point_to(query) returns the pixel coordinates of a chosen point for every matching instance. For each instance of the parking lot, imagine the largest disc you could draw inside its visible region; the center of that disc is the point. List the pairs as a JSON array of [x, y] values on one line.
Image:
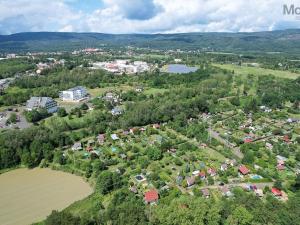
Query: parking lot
[[20, 124]]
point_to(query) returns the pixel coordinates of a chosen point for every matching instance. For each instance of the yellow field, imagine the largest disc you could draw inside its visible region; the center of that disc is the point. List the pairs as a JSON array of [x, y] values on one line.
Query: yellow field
[[244, 70], [28, 196]]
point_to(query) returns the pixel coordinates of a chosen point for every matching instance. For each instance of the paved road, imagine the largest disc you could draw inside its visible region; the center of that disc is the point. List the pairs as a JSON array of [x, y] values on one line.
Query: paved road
[[231, 185], [258, 185], [235, 150], [21, 124]]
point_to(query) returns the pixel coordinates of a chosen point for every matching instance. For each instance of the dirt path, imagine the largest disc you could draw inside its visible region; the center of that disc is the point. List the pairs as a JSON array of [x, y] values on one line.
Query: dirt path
[[258, 185], [28, 196]]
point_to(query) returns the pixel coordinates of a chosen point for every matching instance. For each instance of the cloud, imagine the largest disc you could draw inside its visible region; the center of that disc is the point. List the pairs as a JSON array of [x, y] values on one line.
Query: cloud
[[34, 15], [144, 16], [14, 24], [192, 16]]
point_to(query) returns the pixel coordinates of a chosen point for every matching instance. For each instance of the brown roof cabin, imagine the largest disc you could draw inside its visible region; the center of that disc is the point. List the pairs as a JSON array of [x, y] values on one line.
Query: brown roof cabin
[[133, 130], [205, 193], [190, 181]]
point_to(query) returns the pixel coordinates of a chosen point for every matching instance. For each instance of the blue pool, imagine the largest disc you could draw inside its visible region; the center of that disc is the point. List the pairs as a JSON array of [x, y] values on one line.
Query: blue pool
[[179, 68], [256, 177]]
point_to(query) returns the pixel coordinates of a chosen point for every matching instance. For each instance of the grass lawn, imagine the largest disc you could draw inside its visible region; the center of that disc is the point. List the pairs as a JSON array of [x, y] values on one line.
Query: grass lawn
[[244, 70], [154, 91], [152, 56], [96, 92], [68, 105], [54, 121], [296, 116], [86, 205], [214, 155], [211, 153]]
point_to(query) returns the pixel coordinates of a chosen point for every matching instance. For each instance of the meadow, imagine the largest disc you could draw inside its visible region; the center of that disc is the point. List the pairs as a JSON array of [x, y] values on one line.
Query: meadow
[[245, 70]]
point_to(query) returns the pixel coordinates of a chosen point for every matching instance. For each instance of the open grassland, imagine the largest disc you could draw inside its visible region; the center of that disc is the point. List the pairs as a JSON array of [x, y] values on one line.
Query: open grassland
[[244, 70], [29, 196], [96, 92], [154, 91]]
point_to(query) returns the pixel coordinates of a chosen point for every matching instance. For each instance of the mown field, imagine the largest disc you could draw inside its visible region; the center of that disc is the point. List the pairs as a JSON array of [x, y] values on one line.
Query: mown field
[[244, 70], [29, 196]]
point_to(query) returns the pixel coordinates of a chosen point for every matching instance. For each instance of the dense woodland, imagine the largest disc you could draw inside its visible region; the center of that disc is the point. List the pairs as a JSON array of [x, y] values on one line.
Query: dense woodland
[[286, 41], [175, 208], [9, 68]]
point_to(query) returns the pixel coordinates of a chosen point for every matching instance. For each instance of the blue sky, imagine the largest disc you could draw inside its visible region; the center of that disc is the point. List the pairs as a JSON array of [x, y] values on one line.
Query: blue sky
[[87, 6], [145, 16]]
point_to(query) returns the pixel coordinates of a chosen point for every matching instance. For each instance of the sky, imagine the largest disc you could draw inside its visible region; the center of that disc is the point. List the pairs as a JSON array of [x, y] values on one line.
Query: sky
[[145, 16]]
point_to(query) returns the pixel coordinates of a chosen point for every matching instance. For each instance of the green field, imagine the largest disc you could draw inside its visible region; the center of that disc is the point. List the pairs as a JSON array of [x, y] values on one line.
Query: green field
[[244, 70], [155, 91], [96, 92]]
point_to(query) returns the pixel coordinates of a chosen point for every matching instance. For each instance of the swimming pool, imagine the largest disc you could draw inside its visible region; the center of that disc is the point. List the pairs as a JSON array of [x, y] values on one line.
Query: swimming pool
[[256, 177]]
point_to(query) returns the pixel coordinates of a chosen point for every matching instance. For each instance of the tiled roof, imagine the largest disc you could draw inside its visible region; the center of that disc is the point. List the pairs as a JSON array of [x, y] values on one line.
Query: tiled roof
[[151, 196]]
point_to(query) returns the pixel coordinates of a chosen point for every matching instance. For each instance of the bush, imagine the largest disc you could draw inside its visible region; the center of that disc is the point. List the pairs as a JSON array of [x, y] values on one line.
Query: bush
[[36, 115], [178, 162], [84, 106], [62, 218], [108, 181], [154, 153], [277, 132], [12, 118], [61, 112]]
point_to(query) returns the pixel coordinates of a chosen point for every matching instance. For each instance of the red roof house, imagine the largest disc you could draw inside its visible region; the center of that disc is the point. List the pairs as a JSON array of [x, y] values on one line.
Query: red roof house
[[151, 196], [244, 170], [248, 140], [276, 192], [286, 138], [280, 167], [202, 175], [212, 172]]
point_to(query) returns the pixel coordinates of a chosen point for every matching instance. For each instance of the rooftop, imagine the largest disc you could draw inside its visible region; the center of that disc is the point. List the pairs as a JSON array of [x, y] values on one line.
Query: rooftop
[[151, 196]]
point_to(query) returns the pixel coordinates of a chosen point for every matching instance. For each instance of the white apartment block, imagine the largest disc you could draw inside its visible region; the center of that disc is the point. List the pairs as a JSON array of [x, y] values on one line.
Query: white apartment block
[[74, 94]]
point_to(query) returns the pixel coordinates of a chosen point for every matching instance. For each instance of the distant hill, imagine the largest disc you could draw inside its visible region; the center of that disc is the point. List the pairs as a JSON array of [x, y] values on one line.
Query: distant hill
[[287, 41]]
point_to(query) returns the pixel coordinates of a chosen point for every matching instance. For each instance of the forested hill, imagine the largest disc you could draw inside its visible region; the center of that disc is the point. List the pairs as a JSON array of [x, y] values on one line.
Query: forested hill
[[287, 41]]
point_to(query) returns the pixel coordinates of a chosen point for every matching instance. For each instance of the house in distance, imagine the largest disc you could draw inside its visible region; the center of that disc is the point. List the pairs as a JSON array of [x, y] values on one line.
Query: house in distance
[[75, 94]]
